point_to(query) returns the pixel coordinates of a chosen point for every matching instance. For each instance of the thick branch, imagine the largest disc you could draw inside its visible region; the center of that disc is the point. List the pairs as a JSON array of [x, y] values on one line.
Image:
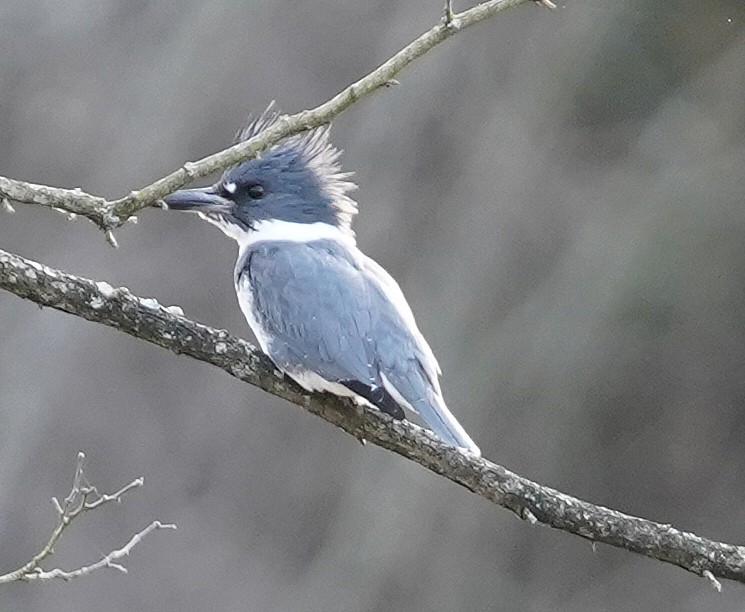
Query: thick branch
[[109, 215], [146, 319]]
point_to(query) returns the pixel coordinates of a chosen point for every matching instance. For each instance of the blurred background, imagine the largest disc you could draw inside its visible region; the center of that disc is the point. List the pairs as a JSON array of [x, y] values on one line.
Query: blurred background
[[561, 196]]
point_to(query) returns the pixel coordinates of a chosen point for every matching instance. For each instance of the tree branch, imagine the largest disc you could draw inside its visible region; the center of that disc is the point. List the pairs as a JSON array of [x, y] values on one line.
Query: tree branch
[[82, 498], [165, 327], [110, 215]]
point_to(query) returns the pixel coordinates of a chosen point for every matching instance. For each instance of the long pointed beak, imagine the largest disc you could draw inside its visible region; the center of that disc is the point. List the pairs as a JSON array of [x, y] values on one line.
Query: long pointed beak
[[203, 199]]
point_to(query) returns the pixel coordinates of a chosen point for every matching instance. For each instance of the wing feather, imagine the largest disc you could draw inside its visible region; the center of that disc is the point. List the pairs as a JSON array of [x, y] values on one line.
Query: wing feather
[[321, 307]]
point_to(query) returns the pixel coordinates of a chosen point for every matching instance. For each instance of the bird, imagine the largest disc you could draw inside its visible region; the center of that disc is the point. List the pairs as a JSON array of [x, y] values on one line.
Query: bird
[[327, 315]]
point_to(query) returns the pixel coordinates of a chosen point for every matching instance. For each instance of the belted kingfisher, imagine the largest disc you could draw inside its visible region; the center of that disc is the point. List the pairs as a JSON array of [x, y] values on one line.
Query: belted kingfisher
[[327, 315]]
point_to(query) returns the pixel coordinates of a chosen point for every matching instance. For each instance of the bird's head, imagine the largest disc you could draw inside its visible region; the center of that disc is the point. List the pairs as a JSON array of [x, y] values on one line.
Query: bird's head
[[298, 180]]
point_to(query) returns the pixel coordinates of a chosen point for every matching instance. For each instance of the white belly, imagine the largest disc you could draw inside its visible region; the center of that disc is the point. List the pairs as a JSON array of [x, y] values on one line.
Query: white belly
[[310, 381]]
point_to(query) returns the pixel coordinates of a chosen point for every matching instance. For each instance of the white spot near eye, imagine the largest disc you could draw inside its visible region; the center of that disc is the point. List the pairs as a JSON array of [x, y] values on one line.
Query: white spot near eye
[[230, 187]]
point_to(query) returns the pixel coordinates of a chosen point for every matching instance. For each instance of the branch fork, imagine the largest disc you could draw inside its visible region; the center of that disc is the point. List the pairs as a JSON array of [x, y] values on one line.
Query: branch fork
[[83, 497], [111, 215]]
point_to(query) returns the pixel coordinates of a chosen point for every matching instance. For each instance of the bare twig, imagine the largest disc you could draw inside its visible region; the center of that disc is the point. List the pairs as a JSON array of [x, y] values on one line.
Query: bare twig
[[448, 13], [82, 498], [537, 504], [74, 201], [109, 215]]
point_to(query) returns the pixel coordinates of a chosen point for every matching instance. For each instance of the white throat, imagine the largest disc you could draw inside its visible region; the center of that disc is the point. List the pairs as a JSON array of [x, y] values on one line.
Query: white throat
[[287, 231]]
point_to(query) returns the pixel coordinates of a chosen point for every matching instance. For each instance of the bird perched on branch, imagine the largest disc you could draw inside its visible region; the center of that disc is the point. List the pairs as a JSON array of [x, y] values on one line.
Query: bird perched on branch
[[326, 314]]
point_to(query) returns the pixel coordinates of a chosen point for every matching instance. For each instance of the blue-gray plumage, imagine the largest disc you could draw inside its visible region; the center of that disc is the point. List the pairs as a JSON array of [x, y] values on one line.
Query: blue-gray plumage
[[327, 315]]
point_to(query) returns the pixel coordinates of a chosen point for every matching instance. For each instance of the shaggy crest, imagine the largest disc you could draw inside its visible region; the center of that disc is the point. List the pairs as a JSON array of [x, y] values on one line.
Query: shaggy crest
[[320, 156]]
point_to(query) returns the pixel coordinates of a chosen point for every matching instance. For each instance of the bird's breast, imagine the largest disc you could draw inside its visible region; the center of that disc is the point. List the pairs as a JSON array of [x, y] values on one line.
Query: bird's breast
[[245, 295]]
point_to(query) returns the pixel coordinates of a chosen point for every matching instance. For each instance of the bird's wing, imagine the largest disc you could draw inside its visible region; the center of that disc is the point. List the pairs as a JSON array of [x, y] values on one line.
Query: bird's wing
[[418, 388], [313, 309], [325, 309]]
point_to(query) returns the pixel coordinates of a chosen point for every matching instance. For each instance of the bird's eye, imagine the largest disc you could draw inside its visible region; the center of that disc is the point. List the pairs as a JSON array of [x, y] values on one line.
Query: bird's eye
[[255, 192]]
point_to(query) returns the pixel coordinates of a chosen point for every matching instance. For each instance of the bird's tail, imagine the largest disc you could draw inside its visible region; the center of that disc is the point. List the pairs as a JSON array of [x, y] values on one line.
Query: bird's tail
[[436, 414], [431, 407]]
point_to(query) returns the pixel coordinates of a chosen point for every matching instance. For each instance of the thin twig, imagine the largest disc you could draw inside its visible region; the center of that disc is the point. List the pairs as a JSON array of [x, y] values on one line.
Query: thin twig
[[537, 504], [82, 498], [110, 215], [74, 201], [106, 561]]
